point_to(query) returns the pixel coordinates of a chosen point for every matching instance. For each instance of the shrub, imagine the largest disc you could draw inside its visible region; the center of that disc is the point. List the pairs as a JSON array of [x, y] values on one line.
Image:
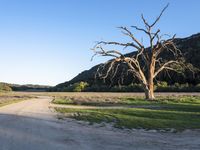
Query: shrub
[[76, 87], [162, 84], [5, 87], [79, 87]]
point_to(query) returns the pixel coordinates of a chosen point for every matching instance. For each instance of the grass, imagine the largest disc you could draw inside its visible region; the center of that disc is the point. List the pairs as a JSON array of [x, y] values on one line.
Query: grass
[[180, 101], [164, 113], [10, 102], [7, 98], [63, 101]]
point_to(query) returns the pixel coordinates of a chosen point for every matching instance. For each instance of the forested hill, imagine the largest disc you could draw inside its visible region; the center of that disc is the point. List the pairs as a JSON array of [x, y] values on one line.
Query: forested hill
[[190, 48]]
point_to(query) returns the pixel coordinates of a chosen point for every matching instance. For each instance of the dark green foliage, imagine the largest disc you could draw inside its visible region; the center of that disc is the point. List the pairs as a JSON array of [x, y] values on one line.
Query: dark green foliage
[[129, 88], [30, 87], [98, 88], [178, 88], [159, 87]]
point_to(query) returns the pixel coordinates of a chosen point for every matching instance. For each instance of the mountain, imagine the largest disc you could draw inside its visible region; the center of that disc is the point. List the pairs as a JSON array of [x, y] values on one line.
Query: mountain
[[190, 48]]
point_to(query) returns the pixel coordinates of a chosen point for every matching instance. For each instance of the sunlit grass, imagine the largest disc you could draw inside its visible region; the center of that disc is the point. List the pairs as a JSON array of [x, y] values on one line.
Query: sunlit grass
[[164, 113]]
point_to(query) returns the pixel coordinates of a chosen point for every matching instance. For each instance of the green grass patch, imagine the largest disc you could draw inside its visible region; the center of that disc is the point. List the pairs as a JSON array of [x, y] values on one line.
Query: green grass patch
[[137, 118], [164, 113], [181, 103], [162, 100]]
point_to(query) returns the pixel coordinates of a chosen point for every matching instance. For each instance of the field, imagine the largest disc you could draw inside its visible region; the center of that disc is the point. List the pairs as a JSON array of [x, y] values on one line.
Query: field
[[7, 98], [171, 111], [99, 120]]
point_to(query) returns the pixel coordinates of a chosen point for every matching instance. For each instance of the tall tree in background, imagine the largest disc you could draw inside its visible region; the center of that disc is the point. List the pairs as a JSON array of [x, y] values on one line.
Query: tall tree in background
[[147, 63]]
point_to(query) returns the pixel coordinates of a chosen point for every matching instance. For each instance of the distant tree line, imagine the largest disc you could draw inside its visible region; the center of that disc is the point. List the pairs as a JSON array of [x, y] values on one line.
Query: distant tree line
[[160, 86]]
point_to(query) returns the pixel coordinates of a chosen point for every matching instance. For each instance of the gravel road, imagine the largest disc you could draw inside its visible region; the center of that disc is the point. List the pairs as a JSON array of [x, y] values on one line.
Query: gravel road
[[31, 125]]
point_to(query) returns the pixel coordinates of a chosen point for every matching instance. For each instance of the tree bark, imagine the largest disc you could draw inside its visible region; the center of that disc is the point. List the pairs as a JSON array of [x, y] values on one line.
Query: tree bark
[[150, 91], [149, 94]]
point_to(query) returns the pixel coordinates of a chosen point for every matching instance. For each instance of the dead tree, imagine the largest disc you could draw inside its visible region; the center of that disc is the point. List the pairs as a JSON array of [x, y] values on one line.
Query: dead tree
[[146, 63]]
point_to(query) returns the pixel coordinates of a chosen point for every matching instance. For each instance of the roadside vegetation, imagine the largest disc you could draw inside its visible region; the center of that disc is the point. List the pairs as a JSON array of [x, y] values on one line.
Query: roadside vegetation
[[7, 98], [5, 87], [178, 112]]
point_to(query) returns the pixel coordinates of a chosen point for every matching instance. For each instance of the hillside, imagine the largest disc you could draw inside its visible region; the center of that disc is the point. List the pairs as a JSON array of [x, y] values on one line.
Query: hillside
[[27, 87], [190, 48]]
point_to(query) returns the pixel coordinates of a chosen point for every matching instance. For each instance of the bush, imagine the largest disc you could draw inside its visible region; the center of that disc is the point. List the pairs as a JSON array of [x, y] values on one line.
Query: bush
[[5, 87], [162, 84], [76, 87], [79, 87]]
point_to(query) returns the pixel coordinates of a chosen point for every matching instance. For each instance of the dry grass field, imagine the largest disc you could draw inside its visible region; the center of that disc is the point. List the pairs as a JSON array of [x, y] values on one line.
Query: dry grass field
[[13, 97]]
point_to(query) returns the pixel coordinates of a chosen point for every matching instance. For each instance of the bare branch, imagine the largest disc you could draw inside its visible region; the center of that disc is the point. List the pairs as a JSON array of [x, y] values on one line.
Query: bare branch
[[140, 29], [158, 18], [119, 44], [145, 22], [129, 33], [155, 34], [166, 66]]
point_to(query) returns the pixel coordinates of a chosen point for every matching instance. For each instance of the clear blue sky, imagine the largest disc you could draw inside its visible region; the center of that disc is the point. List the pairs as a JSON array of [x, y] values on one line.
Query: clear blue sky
[[49, 41]]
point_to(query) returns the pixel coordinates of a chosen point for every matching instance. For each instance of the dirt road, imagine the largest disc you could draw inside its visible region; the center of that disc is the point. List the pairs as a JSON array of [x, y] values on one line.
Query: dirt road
[[31, 125]]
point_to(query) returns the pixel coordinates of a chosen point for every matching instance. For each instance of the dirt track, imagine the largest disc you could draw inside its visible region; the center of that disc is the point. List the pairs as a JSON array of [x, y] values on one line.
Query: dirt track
[[31, 125]]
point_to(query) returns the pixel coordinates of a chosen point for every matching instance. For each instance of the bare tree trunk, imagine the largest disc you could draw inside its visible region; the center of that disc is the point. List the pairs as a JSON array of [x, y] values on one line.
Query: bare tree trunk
[[150, 91]]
